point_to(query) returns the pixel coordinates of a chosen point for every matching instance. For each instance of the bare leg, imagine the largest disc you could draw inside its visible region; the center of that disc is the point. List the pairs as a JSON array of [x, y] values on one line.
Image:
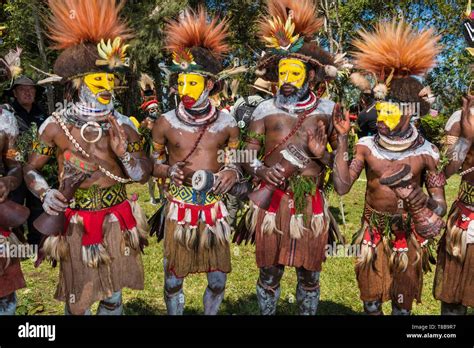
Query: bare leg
[[373, 307], [268, 288], [307, 291], [8, 305], [174, 297], [214, 293], [112, 305], [453, 309]]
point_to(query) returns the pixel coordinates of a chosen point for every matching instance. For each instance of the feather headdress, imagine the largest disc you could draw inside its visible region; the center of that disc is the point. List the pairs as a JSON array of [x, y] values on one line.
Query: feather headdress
[[11, 64], [289, 23], [146, 83], [394, 53], [395, 48], [147, 91], [196, 44], [287, 30], [91, 35]]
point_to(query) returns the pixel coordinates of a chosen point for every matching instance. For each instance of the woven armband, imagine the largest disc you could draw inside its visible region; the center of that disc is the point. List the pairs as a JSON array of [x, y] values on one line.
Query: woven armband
[[435, 179]]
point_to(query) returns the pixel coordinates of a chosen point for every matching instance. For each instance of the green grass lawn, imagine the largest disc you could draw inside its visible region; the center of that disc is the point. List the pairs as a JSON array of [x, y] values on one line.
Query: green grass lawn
[[339, 292]]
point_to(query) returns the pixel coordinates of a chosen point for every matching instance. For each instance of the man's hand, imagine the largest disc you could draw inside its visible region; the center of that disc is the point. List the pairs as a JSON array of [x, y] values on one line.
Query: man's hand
[[4, 189], [467, 122], [224, 181], [118, 138], [273, 176], [54, 202], [317, 140], [417, 199], [341, 122], [176, 174]]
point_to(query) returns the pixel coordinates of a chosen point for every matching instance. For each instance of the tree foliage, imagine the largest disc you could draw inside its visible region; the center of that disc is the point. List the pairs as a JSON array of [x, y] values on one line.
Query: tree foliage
[[343, 18]]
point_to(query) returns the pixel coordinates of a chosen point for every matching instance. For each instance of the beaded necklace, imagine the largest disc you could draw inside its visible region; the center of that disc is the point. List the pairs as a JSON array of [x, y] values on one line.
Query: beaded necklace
[[78, 147]]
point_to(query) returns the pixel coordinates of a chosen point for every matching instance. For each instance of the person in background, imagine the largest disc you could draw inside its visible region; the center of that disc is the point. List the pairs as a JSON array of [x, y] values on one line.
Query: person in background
[[367, 118], [27, 111], [24, 91], [11, 275], [151, 110], [242, 111]]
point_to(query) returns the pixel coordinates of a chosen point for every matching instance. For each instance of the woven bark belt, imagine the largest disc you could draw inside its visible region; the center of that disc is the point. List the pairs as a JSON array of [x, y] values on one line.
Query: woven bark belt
[[466, 193], [188, 195], [96, 198]]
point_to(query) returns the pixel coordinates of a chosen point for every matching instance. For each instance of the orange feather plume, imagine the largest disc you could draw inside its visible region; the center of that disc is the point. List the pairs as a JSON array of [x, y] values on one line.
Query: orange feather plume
[[81, 21], [396, 46], [193, 30], [303, 16]]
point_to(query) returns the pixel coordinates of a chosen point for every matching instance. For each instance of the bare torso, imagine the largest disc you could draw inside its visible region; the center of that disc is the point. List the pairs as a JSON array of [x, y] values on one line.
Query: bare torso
[[100, 153], [180, 143], [278, 126], [381, 197], [181, 139]]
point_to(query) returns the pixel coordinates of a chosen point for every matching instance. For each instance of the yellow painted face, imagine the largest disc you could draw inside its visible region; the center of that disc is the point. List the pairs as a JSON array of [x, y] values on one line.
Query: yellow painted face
[[99, 83], [292, 71], [191, 86], [388, 113]]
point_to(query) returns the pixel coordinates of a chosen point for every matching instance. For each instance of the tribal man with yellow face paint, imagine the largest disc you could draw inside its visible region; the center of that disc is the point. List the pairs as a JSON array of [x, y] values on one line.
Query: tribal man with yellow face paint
[[192, 89], [187, 144], [396, 229], [290, 225], [98, 151]]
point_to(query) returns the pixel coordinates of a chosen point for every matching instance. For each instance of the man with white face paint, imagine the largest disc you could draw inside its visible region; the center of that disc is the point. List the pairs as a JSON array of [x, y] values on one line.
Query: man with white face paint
[[186, 140], [291, 226], [99, 151]]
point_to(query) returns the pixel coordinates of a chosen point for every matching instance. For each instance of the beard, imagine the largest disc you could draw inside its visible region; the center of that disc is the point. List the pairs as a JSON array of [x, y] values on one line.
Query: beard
[[297, 95], [90, 99]]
